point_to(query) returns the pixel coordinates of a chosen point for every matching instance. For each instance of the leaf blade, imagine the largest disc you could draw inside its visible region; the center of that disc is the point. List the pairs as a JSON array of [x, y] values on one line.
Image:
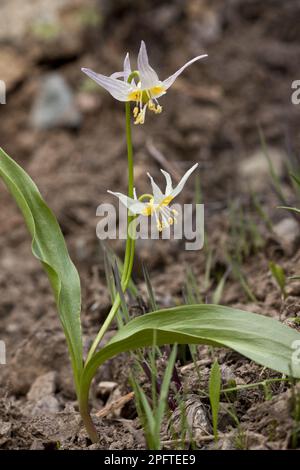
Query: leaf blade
[[214, 395], [48, 246], [260, 338]]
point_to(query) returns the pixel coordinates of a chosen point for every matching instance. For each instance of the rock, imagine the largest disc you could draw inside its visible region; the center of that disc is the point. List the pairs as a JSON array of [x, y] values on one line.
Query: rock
[[5, 432], [106, 388], [45, 405], [43, 386], [196, 416], [55, 105], [41, 395], [5, 428], [255, 172], [288, 233], [227, 374]]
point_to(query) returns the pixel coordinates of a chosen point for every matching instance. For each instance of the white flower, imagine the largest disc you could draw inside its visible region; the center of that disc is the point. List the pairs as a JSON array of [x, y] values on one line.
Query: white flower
[[157, 203], [146, 91]]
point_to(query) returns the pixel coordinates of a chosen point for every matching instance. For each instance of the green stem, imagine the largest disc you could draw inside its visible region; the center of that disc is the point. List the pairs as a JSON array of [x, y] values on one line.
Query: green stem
[[254, 385], [130, 243], [126, 274], [87, 420]]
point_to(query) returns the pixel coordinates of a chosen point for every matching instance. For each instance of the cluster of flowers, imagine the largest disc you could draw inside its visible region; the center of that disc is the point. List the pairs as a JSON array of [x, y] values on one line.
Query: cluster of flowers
[[144, 88]]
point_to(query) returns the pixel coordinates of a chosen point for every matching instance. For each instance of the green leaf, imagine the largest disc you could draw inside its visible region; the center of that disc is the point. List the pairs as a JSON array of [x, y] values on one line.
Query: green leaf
[[279, 276], [293, 209], [217, 294], [296, 179], [261, 339], [49, 247], [214, 395]]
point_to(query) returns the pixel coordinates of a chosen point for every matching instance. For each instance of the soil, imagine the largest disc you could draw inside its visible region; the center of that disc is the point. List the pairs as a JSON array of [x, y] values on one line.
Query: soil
[[210, 116]]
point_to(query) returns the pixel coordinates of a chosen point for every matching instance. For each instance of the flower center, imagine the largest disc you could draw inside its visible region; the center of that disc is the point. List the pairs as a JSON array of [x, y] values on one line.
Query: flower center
[[163, 214], [145, 99]]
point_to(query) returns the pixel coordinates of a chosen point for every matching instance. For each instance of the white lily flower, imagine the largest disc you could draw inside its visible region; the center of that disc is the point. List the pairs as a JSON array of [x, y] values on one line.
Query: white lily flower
[[146, 91], [158, 203]]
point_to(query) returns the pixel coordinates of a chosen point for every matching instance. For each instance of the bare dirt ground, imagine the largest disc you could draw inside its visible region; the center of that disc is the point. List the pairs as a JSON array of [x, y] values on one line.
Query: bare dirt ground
[[210, 116]]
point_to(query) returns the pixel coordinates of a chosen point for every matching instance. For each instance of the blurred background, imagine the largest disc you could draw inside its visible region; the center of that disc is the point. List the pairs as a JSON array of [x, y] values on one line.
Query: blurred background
[[68, 133]]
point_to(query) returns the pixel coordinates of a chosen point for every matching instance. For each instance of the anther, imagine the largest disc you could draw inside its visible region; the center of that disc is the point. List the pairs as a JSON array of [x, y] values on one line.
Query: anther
[[151, 106], [135, 111]]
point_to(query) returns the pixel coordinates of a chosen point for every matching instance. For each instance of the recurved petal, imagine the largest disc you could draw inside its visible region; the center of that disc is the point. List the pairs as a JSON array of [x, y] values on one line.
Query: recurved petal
[[117, 88], [117, 75], [182, 182], [170, 80], [127, 67], [136, 207], [157, 194], [169, 186], [148, 76]]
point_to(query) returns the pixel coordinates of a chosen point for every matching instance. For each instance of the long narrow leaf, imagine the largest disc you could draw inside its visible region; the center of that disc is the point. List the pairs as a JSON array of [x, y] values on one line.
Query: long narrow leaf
[[214, 395], [261, 339], [49, 247]]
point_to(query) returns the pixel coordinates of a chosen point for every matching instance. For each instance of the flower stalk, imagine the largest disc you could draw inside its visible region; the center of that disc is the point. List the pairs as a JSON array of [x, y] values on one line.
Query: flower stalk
[[130, 241]]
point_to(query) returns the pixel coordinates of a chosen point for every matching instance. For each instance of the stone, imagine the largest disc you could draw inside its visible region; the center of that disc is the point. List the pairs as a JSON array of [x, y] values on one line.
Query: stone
[[288, 233], [43, 386], [45, 405], [196, 416], [105, 388], [55, 105], [254, 171]]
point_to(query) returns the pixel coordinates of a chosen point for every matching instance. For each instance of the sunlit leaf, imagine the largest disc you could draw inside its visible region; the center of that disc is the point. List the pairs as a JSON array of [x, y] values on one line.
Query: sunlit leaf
[[261, 339], [49, 247]]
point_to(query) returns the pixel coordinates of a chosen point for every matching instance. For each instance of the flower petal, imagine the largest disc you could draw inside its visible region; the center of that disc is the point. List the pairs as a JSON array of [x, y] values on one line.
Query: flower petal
[[135, 206], [182, 182], [170, 80], [127, 67], [157, 194], [126, 70], [169, 186], [148, 76], [117, 88], [117, 75]]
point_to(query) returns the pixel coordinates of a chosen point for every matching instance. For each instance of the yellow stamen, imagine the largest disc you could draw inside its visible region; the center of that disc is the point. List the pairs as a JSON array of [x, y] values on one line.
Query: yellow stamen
[[151, 106], [140, 119], [135, 112], [149, 209], [159, 226]]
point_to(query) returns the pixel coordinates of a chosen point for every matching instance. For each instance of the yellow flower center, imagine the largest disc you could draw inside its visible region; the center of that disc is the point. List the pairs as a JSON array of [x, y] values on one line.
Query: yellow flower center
[[145, 99], [164, 215], [145, 95]]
